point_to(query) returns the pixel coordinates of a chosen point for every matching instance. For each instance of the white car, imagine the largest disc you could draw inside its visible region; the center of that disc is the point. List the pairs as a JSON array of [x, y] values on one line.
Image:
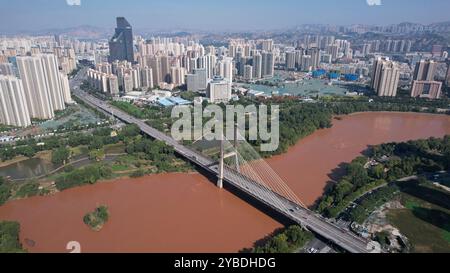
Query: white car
[[312, 250]]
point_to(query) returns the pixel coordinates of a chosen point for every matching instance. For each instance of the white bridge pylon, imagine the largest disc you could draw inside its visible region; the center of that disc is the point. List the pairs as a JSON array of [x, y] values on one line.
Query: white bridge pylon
[[242, 158]]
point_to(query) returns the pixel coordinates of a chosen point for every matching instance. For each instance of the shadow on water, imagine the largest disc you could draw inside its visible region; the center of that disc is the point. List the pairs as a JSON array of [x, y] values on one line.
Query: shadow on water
[[335, 175], [247, 198], [263, 241]]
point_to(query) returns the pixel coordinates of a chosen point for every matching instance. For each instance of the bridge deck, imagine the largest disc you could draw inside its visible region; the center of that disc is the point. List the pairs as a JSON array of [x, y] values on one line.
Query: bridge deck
[[300, 215]]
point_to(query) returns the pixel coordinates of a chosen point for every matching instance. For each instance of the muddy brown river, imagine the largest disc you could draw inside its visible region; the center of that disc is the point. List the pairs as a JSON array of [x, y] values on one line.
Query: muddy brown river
[[187, 213]]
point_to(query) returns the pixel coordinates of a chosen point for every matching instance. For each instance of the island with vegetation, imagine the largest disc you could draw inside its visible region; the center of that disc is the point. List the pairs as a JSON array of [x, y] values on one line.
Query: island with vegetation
[[97, 218]]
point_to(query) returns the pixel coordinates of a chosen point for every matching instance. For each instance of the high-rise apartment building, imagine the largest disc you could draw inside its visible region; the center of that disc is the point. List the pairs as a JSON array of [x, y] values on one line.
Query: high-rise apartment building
[[52, 75], [147, 78], [315, 57], [210, 65], [13, 105], [290, 60], [426, 89], [248, 72], [268, 64], [423, 81], [257, 66], [37, 87], [425, 70], [385, 77], [121, 44], [447, 79]]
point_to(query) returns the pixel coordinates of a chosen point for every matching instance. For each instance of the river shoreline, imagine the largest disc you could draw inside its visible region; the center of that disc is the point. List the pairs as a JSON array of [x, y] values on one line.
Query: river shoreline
[[187, 213]]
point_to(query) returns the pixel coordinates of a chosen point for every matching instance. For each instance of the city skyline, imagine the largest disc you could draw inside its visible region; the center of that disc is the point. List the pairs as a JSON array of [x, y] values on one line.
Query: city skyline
[[23, 15]]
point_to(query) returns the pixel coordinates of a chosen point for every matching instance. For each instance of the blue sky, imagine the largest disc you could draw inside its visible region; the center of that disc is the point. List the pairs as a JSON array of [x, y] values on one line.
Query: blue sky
[[215, 14]]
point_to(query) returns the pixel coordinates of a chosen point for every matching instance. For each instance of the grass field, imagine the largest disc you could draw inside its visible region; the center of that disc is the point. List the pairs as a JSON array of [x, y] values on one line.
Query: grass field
[[426, 225]]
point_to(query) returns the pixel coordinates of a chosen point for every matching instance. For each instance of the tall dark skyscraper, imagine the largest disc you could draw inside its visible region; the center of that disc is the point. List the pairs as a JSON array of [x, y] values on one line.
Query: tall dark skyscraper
[[121, 44]]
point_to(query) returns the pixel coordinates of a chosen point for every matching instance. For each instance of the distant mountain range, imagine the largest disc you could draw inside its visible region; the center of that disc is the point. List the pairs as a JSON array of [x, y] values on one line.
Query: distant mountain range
[[93, 32]]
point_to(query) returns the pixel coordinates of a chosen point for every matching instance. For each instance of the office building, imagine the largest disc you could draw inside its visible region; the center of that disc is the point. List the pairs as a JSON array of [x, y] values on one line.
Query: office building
[[197, 81], [219, 90], [121, 44]]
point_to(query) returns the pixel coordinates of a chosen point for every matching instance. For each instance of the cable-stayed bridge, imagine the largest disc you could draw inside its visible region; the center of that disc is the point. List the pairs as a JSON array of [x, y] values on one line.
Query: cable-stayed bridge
[[241, 167]]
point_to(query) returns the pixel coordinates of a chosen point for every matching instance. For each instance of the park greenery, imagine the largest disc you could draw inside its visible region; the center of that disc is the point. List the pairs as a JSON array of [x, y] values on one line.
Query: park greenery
[[96, 219], [290, 240], [82, 176], [385, 164], [297, 119], [9, 238], [137, 156], [155, 116], [5, 190]]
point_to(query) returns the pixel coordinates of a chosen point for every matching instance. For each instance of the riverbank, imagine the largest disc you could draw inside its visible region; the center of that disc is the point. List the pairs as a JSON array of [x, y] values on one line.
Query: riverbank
[[44, 155], [187, 213]]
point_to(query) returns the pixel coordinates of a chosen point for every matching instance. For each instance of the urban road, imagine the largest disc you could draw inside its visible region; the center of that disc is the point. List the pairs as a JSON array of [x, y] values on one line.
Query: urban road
[[306, 218]]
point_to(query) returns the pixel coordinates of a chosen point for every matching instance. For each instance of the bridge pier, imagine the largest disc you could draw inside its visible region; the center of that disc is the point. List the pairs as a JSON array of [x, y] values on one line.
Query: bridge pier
[[223, 156], [220, 175]]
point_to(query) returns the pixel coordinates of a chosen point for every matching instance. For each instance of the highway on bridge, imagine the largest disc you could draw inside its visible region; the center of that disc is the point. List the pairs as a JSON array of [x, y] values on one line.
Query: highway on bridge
[[306, 218]]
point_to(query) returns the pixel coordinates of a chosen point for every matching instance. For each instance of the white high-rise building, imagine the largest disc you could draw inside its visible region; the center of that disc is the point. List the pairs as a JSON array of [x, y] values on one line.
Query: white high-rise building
[[65, 88], [210, 64], [113, 85], [36, 87], [13, 105], [290, 60], [147, 78], [127, 83], [267, 45], [385, 77], [6, 69], [51, 70], [177, 75], [226, 68]]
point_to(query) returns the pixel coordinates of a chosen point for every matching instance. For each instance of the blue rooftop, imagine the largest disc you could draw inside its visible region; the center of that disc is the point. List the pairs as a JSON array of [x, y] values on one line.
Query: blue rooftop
[[165, 102], [179, 101]]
